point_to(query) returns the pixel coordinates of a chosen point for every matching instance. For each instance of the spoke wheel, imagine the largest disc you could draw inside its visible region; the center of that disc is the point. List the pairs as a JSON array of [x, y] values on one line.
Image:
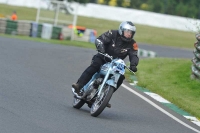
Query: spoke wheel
[[101, 102], [77, 103]]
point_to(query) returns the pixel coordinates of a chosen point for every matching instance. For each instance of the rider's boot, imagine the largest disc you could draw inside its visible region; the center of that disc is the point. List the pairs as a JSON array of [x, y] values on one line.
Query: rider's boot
[[77, 87], [108, 105]]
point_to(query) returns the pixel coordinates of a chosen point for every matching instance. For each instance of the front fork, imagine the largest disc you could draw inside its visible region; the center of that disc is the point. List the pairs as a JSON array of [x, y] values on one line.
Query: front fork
[[104, 81], [112, 82]]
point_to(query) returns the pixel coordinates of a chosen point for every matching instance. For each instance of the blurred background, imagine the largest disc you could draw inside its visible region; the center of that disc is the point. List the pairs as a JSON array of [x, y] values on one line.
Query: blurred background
[[85, 19]]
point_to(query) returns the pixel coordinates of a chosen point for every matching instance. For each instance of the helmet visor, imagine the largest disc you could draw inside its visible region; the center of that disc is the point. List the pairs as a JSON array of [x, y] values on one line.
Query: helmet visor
[[128, 33]]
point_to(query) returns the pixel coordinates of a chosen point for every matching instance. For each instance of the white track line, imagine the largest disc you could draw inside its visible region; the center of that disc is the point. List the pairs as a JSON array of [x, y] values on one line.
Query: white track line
[[159, 108]]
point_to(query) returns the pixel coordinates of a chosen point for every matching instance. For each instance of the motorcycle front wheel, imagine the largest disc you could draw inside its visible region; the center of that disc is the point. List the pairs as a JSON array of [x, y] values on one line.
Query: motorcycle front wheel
[[101, 102], [78, 103]]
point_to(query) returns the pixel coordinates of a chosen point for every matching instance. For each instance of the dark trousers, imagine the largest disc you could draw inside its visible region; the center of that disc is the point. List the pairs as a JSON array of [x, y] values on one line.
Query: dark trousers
[[97, 62]]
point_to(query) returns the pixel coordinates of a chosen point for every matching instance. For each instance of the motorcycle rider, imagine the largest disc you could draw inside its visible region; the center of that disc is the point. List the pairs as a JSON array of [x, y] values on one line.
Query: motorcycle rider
[[117, 43]]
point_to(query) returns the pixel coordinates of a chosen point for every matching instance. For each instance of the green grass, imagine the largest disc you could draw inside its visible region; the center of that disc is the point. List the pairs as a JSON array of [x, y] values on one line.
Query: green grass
[[169, 78], [144, 34], [53, 41]]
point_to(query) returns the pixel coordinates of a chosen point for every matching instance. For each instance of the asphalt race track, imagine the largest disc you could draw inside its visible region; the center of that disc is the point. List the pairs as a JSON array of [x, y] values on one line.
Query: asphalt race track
[[170, 52], [35, 94]]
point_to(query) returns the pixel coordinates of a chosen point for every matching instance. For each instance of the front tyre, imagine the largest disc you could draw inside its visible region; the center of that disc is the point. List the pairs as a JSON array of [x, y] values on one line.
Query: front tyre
[[78, 103], [100, 103]]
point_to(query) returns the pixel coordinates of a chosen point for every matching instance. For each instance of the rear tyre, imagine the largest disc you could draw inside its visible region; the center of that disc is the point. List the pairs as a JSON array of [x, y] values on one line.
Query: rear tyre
[[78, 103], [100, 103]]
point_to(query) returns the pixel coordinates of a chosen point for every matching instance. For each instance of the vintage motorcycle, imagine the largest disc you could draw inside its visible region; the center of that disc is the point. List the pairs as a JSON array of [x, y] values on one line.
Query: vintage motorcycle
[[98, 91]]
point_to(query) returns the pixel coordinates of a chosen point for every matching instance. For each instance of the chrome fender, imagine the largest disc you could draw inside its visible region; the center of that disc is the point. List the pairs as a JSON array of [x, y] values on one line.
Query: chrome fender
[[111, 82]]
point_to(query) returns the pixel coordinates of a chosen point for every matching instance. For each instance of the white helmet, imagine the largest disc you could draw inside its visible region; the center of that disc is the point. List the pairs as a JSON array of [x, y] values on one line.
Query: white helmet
[[127, 25]]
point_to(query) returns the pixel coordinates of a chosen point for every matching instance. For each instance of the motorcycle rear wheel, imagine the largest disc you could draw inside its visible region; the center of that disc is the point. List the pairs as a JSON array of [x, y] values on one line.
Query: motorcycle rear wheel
[[100, 103], [78, 103]]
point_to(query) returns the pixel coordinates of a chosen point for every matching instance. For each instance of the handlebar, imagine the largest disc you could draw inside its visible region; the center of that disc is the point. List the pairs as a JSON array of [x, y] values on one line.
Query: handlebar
[[106, 55], [130, 70]]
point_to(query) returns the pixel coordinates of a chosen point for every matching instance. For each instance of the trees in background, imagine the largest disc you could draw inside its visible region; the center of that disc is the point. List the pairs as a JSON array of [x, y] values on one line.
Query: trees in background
[[186, 8]]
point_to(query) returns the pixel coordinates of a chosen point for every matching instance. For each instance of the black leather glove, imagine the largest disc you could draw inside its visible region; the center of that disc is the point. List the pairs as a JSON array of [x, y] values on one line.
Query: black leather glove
[[133, 68], [99, 46]]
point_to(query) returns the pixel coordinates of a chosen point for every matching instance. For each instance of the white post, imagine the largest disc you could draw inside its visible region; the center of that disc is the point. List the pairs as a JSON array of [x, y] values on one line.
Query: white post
[[74, 21], [57, 13], [38, 12]]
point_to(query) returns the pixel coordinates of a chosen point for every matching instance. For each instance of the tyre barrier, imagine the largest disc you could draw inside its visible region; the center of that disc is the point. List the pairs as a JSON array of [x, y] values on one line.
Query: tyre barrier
[[23, 28], [196, 63], [146, 53], [196, 54], [56, 31], [11, 27], [2, 25], [196, 59], [34, 29], [197, 45], [48, 31], [44, 30]]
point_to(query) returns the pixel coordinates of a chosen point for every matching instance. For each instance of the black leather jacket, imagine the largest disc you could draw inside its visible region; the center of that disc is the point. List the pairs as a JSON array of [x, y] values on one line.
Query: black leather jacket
[[116, 47]]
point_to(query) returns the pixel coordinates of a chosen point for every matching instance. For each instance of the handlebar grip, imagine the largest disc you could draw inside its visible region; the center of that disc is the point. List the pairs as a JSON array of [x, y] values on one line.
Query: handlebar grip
[[130, 70], [106, 55]]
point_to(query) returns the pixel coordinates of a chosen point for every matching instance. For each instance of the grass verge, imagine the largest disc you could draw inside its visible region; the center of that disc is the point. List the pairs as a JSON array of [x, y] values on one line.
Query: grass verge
[[53, 41], [170, 78]]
